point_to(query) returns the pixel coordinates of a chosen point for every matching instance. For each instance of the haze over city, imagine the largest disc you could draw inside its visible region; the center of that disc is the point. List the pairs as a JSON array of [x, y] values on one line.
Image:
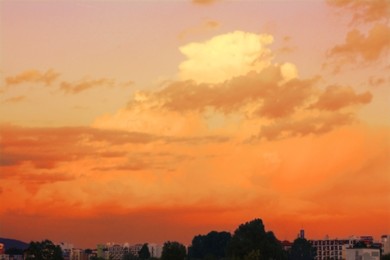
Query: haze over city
[[147, 121]]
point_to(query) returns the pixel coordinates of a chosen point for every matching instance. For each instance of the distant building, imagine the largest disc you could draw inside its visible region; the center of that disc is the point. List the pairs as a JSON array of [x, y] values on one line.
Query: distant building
[[155, 250], [66, 249], [78, 254], [367, 240], [301, 233], [102, 251], [385, 240], [363, 254], [134, 249], [329, 249]]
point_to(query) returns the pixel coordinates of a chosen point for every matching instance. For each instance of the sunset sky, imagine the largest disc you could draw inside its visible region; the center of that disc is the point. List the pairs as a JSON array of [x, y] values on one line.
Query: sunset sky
[[147, 121]]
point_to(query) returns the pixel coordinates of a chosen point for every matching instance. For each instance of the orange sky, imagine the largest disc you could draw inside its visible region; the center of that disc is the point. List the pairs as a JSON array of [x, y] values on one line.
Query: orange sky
[[147, 121]]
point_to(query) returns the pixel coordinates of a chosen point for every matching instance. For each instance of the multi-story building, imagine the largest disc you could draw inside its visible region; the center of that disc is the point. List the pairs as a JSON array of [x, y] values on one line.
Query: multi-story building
[[134, 249], [363, 254], [155, 250], [385, 240], [78, 254], [329, 249], [116, 251]]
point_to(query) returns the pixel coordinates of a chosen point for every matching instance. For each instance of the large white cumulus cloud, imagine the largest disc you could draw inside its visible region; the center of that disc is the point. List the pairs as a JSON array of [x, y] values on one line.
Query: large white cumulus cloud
[[225, 56]]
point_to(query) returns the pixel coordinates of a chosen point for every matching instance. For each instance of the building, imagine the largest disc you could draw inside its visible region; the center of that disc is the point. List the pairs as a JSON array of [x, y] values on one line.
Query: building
[[66, 249], [363, 254], [102, 251], [155, 250], [117, 252], [385, 240], [329, 249]]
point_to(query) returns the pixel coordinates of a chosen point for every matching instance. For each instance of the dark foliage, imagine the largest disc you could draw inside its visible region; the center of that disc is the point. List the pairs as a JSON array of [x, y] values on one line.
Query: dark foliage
[[251, 240], [44, 250], [210, 246], [173, 251], [144, 252], [302, 250], [14, 251]]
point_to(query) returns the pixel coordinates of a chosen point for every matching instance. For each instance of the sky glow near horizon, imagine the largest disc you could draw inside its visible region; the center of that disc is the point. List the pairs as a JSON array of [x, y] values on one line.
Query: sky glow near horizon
[[147, 121]]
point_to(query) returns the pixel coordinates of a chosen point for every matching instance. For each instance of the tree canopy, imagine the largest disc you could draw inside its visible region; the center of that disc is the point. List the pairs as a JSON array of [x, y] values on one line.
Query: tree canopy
[[301, 249], [251, 240], [144, 252], [44, 250], [210, 246], [173, 251]]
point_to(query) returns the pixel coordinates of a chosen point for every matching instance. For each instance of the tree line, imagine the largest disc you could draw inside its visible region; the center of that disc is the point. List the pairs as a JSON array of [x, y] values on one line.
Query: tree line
[[250, 241]]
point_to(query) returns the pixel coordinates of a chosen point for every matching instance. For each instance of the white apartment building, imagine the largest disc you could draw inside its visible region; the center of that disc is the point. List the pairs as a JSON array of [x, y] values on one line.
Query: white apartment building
[[363, 254]]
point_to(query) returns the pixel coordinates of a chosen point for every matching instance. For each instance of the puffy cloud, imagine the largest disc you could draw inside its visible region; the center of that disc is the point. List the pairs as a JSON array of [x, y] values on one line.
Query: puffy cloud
[[270, 88], [370, 47], [337, 97], [33, 76], [272, 95], [225, 56], [74, 88]]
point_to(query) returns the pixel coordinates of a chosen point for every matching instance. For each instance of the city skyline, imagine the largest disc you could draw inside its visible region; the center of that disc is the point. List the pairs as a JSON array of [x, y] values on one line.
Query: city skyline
[[160, 120]]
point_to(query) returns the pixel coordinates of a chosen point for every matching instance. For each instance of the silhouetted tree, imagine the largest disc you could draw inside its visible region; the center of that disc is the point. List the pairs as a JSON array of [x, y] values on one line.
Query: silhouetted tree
[[250, 239], [43, 250], [173, 251], [210, 246], [14, 251], [144, 252], [301, 249]]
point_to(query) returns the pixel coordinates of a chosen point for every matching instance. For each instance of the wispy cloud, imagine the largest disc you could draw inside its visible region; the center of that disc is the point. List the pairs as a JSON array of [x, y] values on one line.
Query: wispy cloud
[[83, 85], [206, 26], [15, 99], [33, 76], [204, 2]]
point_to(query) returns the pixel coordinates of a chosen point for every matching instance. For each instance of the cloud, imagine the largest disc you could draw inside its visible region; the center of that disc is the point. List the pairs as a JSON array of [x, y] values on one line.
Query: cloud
[[364, 11], [285, 179], [254, 93], [15, 99], [273, 98], [310, 125], [368, 48], [33, 76], [203, 2], [376, 81], [225, 56], [82, 85], [206, 26], [337, 97]]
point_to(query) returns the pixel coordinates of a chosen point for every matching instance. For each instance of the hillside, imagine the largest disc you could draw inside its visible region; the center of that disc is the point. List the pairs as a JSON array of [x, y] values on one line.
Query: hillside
[[13, 243]]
